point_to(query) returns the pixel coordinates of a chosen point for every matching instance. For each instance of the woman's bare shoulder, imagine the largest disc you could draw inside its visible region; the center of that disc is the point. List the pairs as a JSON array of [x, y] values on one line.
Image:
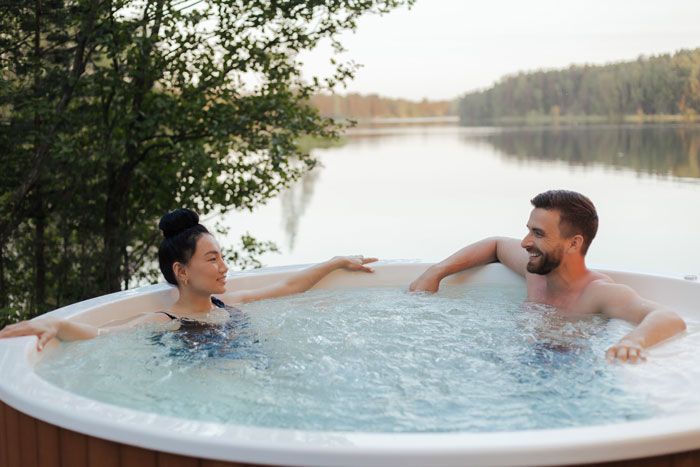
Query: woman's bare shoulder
[[160, 316]]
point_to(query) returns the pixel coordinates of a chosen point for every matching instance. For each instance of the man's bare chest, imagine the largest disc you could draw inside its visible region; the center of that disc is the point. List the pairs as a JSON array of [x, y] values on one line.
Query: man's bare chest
[[571, 301]]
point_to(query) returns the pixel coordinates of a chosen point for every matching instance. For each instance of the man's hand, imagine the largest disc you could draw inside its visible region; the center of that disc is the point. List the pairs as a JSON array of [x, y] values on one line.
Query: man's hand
[[489, 250], [655, 323], [427, 282], [627, 351]]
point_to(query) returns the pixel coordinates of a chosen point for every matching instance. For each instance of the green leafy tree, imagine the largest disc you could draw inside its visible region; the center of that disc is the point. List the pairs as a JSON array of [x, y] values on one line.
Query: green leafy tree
[[114, 112]]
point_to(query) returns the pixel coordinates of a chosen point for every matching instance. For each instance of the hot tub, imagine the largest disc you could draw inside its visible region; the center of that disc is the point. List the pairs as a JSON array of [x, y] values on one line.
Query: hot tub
[[41, 424]]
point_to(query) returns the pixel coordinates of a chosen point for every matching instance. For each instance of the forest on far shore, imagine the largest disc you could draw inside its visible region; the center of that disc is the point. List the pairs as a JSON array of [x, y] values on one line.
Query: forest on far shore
[[373, 106], [655, 88]]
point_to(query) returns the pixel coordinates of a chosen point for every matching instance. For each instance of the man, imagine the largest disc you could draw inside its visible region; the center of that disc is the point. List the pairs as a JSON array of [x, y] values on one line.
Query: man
[[551, 258]]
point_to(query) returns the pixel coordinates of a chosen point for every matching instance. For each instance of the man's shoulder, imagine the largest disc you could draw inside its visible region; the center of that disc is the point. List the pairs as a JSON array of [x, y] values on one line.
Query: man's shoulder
[[602, 289], [598, 279], [600, 283]]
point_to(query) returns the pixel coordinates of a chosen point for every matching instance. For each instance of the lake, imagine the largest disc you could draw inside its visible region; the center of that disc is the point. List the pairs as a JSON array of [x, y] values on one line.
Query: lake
[[425, 191]]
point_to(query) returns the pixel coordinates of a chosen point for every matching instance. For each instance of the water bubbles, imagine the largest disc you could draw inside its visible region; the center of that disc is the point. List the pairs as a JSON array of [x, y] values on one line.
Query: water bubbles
[[355, 340], [469, 358]]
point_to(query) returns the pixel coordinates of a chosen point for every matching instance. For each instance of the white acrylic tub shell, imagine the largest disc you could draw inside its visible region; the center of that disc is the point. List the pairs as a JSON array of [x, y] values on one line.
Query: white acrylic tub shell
[[22, 389]]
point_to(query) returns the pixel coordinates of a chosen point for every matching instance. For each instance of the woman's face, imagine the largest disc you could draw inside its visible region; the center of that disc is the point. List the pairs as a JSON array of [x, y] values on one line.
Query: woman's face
[[206, 270]]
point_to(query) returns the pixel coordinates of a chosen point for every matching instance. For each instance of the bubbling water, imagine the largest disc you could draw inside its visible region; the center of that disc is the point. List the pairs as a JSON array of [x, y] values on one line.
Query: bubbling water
[[471, 358]]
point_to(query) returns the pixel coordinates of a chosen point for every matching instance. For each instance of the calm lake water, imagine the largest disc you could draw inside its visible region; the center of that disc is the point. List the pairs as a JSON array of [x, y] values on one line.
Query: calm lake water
[[423, 192]]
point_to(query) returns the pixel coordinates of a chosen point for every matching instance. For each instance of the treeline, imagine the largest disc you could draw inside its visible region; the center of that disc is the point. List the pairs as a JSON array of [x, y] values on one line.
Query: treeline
[[372, 106], [657, 85]]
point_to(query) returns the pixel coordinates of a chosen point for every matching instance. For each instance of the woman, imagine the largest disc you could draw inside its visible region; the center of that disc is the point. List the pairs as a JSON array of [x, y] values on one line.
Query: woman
[[190, 258]]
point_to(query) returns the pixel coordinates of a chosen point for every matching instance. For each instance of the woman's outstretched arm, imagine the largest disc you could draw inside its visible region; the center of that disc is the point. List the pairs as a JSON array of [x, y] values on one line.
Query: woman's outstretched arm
[[303, 280], [47, 328]]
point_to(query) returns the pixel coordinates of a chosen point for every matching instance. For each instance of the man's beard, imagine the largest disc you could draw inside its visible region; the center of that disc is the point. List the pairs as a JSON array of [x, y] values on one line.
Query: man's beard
[[546, 263]]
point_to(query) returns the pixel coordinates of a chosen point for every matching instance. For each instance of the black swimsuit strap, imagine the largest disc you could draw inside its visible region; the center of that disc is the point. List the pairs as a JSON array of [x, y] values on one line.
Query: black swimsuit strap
[[167, 314], [214, 300]]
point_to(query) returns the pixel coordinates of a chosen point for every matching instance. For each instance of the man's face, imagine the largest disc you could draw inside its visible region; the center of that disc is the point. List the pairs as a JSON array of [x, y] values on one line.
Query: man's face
[[543, 241]]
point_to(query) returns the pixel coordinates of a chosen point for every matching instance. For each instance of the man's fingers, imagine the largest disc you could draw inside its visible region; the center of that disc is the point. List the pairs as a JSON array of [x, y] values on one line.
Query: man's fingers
[[636, 355], [610, 354], [369, 260], [622, 354], [639, 355], [626, 354], [421, 287]]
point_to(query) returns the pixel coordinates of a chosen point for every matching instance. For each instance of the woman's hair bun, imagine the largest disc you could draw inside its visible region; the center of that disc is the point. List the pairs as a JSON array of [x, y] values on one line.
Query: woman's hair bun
[[178, 221], [181, 229]]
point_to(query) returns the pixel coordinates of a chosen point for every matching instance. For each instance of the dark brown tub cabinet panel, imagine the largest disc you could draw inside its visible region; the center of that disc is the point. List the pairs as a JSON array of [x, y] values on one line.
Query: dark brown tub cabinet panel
[[210, 463], [681, 459], [3, 436], [137, 457], [173, 460], [47, 440], [104, 453], [13, 436], [28, 442], [73, 447]]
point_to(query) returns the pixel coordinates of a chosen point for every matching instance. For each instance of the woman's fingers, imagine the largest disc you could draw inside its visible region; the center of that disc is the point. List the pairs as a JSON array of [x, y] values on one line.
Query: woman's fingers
[[44, 337], [364, 261], [357, 263], [43, 333]]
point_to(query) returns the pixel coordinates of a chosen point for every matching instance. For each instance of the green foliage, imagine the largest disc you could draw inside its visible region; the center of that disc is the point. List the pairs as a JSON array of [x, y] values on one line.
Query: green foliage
[[306, 143], [246, 255], [658, 85], [113, 112], [12, 315]]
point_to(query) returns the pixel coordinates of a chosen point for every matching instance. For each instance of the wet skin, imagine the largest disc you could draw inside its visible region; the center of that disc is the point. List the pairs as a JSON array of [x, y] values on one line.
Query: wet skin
[[555, 272]]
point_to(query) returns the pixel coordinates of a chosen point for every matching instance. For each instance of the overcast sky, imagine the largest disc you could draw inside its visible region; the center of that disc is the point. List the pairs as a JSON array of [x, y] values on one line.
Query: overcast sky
[[441, 49]]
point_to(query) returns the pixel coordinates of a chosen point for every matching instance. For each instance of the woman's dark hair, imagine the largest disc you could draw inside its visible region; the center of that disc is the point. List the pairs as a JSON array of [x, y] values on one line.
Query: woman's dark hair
[[181, 229]]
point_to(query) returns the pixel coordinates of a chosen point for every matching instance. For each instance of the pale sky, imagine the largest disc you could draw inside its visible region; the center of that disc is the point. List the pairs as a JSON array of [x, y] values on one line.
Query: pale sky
[[441, 49]]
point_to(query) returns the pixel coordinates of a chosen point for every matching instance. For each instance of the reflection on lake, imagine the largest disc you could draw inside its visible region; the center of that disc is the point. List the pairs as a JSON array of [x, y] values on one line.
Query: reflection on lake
[[660, 150], [294, 203], [425, 191]]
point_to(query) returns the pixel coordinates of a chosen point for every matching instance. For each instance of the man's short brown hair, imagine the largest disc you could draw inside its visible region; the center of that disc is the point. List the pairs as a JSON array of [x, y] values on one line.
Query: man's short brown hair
[[577, 214]]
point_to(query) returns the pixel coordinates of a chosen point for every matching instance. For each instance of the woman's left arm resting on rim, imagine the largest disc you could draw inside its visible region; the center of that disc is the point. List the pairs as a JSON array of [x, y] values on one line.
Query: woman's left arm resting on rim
[[302, 280]]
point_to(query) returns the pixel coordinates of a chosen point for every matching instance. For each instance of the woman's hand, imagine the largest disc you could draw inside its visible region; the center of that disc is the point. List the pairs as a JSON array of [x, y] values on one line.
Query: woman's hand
[[354, 262], [303, 280], [44, 329]]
